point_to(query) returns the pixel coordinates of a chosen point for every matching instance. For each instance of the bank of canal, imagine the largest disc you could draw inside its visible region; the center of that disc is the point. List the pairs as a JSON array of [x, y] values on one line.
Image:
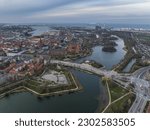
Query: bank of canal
[[93, 96]]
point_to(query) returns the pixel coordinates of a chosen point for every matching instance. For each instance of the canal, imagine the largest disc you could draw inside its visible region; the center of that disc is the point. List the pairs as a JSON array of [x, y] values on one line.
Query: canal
[[129, 66], [93, 97]]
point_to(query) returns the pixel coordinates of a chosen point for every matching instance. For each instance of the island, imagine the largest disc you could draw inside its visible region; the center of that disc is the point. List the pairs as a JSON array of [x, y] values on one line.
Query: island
[[109, 49]]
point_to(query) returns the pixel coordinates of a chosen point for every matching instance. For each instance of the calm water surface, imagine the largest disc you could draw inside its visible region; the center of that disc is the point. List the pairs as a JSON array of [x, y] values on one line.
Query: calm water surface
[[92, 97]]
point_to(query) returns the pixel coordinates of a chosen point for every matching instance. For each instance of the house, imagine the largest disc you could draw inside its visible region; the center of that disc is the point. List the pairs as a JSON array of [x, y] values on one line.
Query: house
[[2, 53], [57, 52], [73, 48]]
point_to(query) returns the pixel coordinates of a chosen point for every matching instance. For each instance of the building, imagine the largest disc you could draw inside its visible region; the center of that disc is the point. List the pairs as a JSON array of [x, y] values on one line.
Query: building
[[98, 28], [73, 48], [5, 78], [57, 53], [2, 53]]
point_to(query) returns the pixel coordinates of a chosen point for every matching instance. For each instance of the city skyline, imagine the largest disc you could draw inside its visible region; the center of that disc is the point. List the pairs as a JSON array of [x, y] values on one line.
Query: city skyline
[[79, 11]]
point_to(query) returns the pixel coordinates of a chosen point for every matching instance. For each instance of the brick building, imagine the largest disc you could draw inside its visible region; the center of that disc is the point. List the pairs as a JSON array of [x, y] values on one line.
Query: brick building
[[73, 48]]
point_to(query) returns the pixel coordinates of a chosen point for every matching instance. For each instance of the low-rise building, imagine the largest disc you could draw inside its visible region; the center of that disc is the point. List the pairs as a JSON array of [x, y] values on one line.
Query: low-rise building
[[57, 53], [73, 48]]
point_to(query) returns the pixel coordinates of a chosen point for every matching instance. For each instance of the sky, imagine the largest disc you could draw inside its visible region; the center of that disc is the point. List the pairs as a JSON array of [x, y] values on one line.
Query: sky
[[75, 11]]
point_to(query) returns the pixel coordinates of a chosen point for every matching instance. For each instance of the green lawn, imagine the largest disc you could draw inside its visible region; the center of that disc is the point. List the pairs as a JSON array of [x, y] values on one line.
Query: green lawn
[[121, 106], [115, 90], [33, 82], [42, 86]]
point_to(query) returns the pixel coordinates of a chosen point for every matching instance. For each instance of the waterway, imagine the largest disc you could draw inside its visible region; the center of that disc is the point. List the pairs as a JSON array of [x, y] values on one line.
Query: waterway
[[39, 30], [93, 97], [129, 66], [108, 60]]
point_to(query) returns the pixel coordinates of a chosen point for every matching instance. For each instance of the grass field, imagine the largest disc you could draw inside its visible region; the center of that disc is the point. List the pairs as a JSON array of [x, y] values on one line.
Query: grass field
[[115, 90], [121, 106]]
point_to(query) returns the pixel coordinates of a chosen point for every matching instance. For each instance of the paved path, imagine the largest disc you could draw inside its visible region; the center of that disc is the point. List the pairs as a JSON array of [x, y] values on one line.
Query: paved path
[[142, 93], [138, 105]]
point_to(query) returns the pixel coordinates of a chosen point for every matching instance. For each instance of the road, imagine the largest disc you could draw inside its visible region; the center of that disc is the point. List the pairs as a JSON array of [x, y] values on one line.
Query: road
[[86, 67], [120, 78], [141, 86], [142, 90], [140, 73], [138, 105]]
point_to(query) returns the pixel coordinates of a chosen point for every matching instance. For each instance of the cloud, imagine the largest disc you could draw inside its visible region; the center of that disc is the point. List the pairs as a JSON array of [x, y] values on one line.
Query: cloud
[[31, 6], [115, 10], [73, 10], [23, 6]]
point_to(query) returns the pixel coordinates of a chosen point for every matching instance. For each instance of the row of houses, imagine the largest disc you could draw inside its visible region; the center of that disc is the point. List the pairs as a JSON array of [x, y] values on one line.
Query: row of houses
[[23, 68]]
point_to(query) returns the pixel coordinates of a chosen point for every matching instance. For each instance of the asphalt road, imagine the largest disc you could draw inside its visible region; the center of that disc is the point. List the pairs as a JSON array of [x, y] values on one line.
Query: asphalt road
[[141, 86]]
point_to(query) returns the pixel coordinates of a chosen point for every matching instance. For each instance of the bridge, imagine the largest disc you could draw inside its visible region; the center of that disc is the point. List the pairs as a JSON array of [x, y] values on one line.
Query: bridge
[[121, 78], [141, 86]]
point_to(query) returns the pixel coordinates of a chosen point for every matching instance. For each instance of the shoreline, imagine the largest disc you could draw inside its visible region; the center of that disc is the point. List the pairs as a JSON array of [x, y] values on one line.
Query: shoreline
[[67, 91], [20, 89], [100, 107]]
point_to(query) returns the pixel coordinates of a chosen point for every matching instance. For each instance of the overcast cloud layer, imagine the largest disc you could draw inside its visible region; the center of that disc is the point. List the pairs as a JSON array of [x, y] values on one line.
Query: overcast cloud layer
[[75, 11]]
